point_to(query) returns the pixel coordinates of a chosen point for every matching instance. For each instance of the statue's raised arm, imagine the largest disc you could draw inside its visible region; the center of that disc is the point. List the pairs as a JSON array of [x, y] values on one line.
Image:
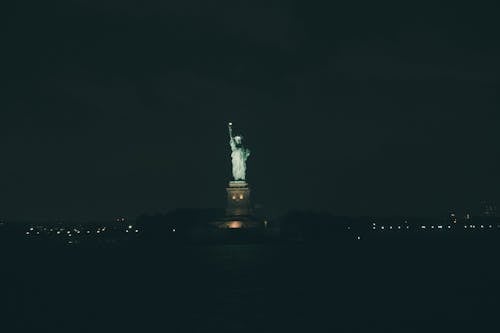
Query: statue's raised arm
[[230, 128], [232, 142]]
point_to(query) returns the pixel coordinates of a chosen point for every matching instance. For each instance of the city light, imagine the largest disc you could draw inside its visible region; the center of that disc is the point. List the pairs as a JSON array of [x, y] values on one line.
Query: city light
[[76, 232]]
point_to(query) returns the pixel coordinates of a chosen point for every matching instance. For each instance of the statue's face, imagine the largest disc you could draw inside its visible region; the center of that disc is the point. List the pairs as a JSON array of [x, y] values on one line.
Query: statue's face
[[237, 139]]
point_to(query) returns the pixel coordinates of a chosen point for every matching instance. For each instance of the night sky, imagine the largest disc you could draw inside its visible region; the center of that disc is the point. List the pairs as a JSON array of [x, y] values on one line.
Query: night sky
[[358, 108]]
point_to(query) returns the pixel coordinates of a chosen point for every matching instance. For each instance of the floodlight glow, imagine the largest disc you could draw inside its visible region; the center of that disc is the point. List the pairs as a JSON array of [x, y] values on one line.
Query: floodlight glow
[[235, 225]]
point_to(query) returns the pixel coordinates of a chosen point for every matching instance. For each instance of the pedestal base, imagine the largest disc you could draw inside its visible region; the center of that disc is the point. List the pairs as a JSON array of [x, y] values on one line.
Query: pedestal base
[[239, 213], [238, 199]]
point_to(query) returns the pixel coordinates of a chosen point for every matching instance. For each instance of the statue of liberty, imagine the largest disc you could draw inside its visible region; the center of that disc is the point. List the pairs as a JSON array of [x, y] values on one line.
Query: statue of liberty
[[239, 155]]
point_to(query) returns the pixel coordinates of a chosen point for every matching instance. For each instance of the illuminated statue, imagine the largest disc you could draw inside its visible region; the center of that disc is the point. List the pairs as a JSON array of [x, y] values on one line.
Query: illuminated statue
[[239, 155]]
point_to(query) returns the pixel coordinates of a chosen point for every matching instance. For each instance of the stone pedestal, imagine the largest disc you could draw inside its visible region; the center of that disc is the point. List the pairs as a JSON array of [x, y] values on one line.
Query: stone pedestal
[[238, 199], [239, 212]]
